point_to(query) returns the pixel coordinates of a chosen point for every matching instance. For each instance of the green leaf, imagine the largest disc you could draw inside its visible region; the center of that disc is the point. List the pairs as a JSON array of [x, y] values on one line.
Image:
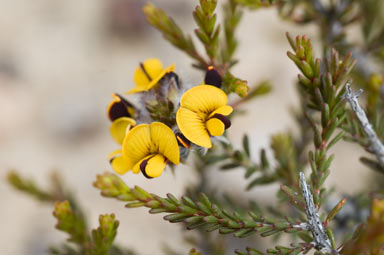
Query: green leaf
[[335, 210], [305, 237], [188, 201], [208, 6], [244, 233], [262, 180], [291, 41], [256, 4], [336, 139], [229, 166], [176, 217], [294, 197], [373, 164], [29, 187], [246, 145]]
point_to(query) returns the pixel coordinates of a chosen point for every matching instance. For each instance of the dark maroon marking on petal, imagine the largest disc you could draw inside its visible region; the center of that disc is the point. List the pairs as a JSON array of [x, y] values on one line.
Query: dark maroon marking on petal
[[145, 72], [182, 140], [212, 77], [222, 118], [143, 165], [120, 109], [110, 161]]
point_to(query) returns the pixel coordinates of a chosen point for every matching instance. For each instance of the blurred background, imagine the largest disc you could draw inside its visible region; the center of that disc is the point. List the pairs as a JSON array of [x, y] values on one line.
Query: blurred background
[[60, 61]]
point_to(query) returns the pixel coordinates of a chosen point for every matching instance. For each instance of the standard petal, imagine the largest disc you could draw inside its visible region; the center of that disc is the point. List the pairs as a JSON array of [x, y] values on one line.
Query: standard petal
[[154, 166], [215, 127], [141, 81], [119, 128], [193, 127], [137, 143], [147, 75], [224, 110], [147, 71], [153, 67], [164, 141], [203, 98]]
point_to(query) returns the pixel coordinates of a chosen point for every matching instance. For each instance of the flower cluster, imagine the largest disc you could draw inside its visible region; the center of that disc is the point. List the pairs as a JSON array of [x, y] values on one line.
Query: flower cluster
[[168, 121]]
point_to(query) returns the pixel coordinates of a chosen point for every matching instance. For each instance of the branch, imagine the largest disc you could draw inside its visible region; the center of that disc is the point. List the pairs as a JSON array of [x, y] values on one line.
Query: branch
[[322, 242], [375, 144], [201, 213]]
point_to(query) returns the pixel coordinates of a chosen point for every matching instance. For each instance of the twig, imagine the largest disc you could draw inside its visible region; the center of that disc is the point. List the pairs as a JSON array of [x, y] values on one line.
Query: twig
[[322, 242], [375, 144]]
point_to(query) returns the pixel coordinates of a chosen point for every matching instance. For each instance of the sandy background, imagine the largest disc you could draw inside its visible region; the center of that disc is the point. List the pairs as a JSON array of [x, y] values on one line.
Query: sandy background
[[60, 61]]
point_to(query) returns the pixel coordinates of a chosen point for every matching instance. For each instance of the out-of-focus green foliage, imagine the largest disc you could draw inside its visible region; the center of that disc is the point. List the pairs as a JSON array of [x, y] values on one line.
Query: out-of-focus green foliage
[[72, 220]]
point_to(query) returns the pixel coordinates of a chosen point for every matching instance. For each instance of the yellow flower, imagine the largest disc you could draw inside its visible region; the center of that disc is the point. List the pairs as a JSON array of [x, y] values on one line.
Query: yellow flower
[[148, 74], [146, 148], [120, 112], [202, 113]]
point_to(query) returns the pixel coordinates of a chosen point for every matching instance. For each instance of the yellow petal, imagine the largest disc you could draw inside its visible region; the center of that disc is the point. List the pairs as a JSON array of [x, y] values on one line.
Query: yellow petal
[[164, 140], [215, 127], [153, 67], [154, 71], [203, 98], [137, 89], [120, 127], [193, 127], [119, 163], [159, 76], [114, 153], [137, 143], [136, 168], [154, 166], [224, 110]]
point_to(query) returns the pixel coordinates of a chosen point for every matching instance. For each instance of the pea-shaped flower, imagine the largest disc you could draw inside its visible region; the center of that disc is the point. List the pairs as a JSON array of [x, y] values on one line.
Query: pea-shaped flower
[[203, 113], [147, 148], [148, 74]]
